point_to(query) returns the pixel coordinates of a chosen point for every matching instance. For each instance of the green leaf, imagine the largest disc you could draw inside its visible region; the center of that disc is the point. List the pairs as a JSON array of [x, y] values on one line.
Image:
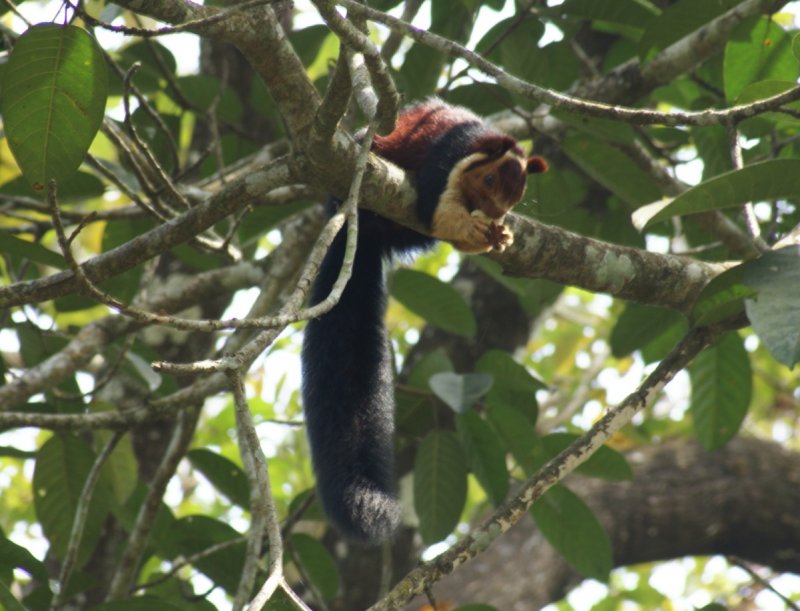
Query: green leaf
[[679, 19], [207, 93], [758, 50], [33, 251], [485, 455], [15, 556], [796, 46], [139, 603], [514, 386], [193, 534], [429, 365], [54, 96], [711, 142], [319, 565], [460, 391], [120, 471], [572, 528], [533, 295], [225, 475], [721, 391], [721, 298], [512, 44], [775, 311], [606, 463], [440, 485], [518, 436], [633, 13], [7, 600], [413, 413], [766, 180], [13, 452], [156, 63], [280, 601], [78, 188], [436, 302], [611, 168], [62, 465], [423, 65], [308, 41], [638, 325]]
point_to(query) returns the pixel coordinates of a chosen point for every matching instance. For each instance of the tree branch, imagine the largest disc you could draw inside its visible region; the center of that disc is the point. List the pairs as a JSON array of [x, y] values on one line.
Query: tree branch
[[554, 471]]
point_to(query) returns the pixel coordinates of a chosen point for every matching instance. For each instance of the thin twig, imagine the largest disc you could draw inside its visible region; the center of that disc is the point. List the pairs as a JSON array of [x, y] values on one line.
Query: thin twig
[[762, 582], [262, 505], [292, 312], [79, 521], [748, 210], [122, 582], [186, 26], [567, 102], [178, 564]]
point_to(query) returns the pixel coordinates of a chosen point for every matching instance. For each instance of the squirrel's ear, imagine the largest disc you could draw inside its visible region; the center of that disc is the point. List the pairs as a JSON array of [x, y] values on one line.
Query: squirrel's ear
[[536, 165]]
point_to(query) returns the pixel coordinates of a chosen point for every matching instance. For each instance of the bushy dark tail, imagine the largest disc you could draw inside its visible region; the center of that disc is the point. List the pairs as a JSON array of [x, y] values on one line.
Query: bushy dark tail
[[348, 397]]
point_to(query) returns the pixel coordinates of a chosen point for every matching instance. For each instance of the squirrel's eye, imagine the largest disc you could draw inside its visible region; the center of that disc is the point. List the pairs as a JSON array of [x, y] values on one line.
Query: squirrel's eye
[[488, 180]]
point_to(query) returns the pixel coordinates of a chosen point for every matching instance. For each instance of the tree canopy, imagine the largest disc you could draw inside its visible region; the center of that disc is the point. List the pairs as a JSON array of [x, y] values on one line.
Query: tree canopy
[[614, 391]]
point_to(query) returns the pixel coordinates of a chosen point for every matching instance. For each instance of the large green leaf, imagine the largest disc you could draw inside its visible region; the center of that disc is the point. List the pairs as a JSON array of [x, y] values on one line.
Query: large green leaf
[[485, 454], [612, 168], [766, 180], [7, 600], [193, 534], [440, 485], [512, 44], [758, 50], [62, 465], [413, 413], [33, 251], [319, 565], [436, 302], [54, 96], [721, 390], [308, 41], [572, 528], [638, 325], [713, 147], [514, 386], [120, 471], [679, 19], [155, 61], [15, 556], [775, 311], [80, 187], [518, 435], [631, 13], [721, 298], [460, 391], [423, 66], [225, 475]]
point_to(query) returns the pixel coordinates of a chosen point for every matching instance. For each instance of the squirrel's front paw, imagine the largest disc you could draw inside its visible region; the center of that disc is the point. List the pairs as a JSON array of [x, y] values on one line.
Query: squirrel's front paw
[[497, 236], [500, 237], [480, 233]]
